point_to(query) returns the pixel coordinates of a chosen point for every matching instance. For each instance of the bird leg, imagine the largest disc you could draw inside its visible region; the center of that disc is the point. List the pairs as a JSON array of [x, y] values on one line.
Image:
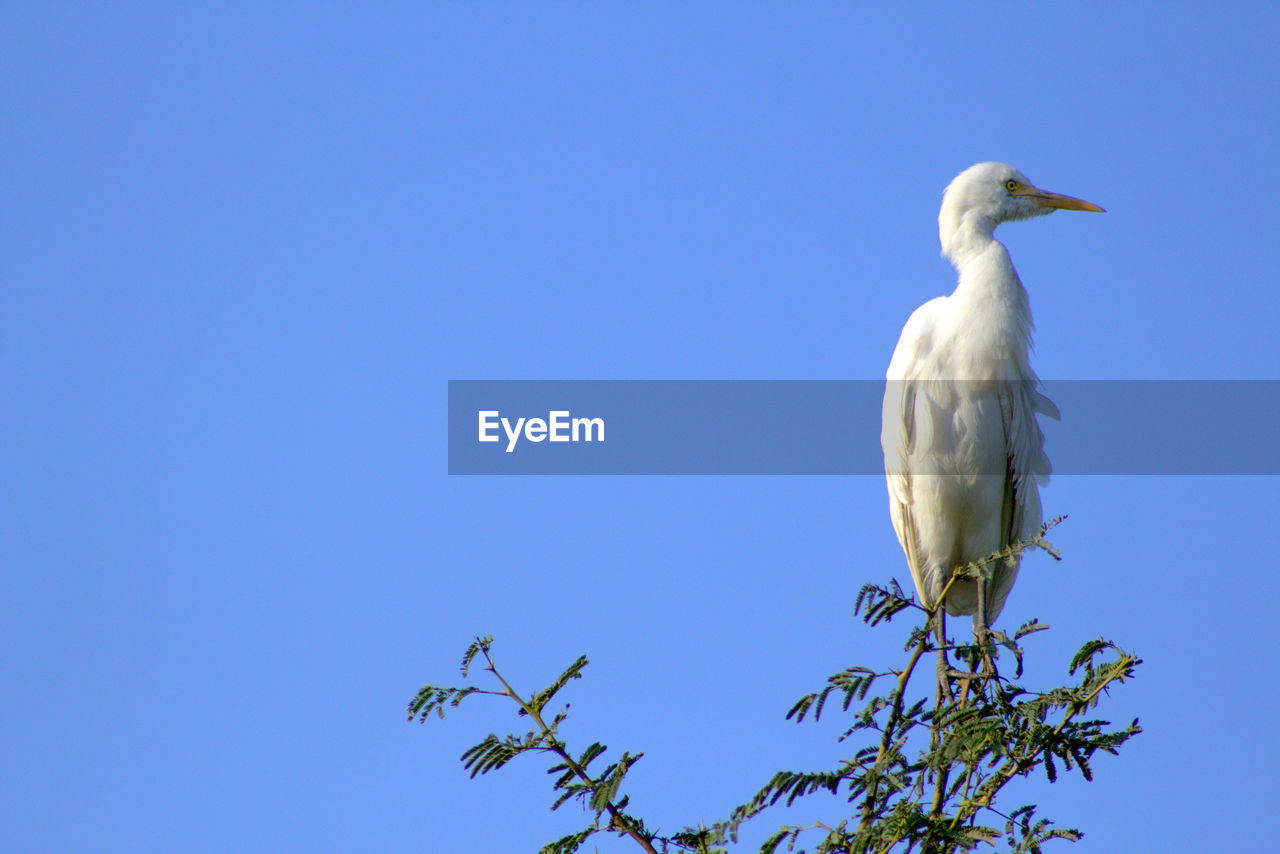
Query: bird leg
[[946, 672], [944, 666], [982, 634]]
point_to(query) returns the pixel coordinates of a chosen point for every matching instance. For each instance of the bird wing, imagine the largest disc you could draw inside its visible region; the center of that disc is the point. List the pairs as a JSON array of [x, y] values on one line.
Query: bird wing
[[1026, 468], [908, 369], [899, 433]]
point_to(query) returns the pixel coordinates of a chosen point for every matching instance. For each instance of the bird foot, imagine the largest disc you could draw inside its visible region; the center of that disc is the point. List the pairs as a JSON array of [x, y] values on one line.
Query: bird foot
[[985, 640], [945, 673], [963, 674]]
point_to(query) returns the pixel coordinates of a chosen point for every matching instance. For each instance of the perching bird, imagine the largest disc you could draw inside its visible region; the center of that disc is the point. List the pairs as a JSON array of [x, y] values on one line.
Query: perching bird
[[963, 453]]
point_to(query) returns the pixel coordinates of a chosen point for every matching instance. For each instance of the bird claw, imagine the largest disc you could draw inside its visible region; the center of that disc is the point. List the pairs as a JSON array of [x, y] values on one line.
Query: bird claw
[[985, 640], [963, 674], [945, 673], [945, 694]]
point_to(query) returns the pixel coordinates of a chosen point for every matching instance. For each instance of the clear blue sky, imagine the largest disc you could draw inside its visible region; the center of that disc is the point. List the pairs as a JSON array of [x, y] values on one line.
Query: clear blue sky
[[243, 248]]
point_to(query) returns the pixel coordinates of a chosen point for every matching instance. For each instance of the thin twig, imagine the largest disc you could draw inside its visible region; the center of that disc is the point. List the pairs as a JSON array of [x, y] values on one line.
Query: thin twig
[[895, 715], [618, 822]]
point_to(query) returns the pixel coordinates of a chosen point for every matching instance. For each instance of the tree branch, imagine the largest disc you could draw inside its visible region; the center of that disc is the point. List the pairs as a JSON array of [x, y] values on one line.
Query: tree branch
[[618, 822]]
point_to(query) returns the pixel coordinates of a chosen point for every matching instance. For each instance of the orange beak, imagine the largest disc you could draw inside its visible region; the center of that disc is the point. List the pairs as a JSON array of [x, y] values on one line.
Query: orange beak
[[1045, 199]]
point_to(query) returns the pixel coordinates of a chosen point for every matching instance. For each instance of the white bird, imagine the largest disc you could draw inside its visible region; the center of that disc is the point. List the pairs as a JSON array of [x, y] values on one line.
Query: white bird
[[963, 452]]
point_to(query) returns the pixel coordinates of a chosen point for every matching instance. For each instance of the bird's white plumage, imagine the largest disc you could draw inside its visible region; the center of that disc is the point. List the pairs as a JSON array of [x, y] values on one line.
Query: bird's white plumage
[[964, 454]]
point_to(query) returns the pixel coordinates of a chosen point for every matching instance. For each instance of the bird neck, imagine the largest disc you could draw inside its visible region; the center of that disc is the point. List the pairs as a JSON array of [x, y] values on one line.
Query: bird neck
[[991, 311], [986, 270], [965, 236]]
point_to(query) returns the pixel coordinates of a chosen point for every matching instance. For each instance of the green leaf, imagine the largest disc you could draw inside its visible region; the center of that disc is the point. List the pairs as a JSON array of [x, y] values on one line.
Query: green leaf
[[568, 844], [574, 671], [490, 754], [478, 646]]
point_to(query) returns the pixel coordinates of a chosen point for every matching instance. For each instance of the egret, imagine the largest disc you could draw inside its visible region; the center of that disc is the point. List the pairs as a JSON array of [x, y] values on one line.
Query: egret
[[963, 451]]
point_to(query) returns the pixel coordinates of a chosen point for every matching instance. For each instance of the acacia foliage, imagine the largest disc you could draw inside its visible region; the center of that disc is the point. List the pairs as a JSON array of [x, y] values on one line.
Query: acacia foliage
[[917, 775]]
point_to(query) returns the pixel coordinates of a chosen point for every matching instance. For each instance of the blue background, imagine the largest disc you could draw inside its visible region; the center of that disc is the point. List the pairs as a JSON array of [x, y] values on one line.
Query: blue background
[[245, 246]]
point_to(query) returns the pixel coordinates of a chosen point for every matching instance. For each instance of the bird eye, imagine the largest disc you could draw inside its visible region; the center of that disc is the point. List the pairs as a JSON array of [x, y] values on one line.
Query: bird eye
[[1011, 185]]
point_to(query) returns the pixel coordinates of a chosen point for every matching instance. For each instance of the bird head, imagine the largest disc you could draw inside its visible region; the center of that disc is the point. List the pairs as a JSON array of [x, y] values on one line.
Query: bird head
[[987, 194]]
